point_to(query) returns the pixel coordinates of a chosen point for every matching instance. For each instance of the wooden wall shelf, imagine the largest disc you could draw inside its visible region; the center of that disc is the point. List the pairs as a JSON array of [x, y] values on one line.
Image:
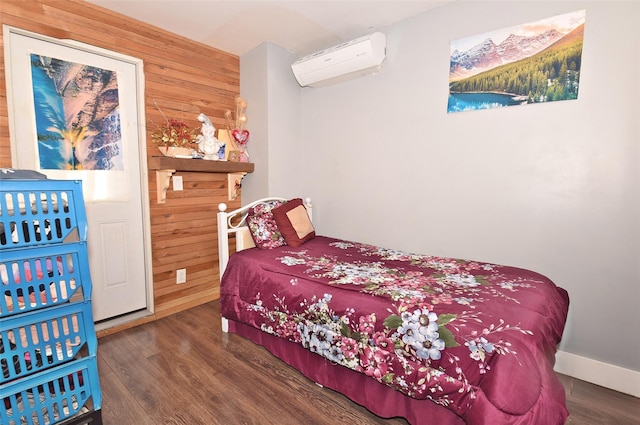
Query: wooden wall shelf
[[199, 165], [165, 166]]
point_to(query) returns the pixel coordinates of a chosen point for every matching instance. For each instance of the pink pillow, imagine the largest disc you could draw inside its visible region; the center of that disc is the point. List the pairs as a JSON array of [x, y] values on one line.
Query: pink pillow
[[294, 223], [262, 226]]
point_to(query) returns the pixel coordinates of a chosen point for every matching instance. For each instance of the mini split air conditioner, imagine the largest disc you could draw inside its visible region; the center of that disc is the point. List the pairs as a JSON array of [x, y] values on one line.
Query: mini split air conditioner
[[348, 60]]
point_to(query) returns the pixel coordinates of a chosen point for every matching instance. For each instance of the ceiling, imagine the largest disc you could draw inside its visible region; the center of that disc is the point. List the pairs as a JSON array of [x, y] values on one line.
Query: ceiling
[[300, 26]]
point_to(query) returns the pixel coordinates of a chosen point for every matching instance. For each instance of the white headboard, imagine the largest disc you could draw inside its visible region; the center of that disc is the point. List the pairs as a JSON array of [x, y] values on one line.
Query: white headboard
[[243, 237]]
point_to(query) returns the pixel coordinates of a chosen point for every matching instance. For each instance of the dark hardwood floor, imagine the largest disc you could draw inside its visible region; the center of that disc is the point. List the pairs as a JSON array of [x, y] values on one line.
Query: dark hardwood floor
[[183, 370]]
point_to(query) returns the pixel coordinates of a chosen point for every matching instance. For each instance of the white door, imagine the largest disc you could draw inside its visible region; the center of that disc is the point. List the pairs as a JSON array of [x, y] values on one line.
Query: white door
[[74, 114]]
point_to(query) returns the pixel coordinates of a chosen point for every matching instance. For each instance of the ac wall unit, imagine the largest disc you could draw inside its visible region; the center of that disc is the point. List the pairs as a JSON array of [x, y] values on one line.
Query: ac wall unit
[[348, 60]]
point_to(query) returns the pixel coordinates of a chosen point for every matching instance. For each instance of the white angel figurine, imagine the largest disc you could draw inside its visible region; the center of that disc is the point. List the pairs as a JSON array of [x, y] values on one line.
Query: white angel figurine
[[207, 142]]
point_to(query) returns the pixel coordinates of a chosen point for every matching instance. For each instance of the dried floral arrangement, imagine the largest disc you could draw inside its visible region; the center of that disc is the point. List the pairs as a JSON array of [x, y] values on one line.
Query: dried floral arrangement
[[174, 133], [239, 134]]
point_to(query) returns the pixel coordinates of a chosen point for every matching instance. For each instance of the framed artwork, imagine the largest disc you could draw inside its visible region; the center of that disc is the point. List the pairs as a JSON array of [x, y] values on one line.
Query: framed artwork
[[76, 111], [531, 63]]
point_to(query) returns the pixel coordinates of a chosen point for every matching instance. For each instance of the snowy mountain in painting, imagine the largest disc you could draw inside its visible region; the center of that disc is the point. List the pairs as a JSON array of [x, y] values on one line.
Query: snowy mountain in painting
[[487, 54]]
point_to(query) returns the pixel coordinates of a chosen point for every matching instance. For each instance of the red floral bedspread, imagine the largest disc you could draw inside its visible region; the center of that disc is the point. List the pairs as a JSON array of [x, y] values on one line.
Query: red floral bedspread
[[476, 338]]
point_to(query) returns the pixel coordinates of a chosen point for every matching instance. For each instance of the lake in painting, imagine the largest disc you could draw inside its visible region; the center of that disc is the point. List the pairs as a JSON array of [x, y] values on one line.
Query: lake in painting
[[459, 102]]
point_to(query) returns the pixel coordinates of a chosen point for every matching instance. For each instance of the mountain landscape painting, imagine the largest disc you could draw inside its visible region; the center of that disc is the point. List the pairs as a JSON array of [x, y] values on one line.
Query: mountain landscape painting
[[531, 63], [77, 115]]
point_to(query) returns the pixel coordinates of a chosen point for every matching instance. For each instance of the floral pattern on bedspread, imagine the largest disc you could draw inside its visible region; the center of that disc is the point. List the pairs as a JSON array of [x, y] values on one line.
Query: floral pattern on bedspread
[[438, 333]]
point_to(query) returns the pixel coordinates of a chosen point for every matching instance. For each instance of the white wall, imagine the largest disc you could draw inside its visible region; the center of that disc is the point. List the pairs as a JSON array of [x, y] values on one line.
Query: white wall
[[254, 89], [274, 113], [550, 187]]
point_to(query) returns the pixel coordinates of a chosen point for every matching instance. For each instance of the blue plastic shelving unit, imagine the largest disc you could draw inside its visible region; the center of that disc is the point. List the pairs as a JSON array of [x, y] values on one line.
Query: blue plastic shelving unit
[[48, 344]]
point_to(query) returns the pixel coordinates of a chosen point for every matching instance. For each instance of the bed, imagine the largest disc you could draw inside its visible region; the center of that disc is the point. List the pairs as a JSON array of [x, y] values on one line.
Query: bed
[[433, 340]]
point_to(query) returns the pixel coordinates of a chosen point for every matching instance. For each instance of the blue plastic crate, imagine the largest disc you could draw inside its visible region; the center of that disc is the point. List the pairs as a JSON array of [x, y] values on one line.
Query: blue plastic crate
[[51, 396], [44, 276], [36, 212], [33, 342]]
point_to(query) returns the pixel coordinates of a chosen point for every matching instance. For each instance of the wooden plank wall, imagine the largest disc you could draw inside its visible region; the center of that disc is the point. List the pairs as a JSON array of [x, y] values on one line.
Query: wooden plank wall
[[183, 78]]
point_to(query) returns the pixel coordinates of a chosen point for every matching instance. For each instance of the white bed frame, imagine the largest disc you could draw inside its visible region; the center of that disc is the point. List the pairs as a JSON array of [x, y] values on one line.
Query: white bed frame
[[243, 237]]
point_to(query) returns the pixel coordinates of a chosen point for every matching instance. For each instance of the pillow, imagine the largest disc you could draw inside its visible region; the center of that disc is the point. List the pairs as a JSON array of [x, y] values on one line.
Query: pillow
[[262, 226], [294, 223]]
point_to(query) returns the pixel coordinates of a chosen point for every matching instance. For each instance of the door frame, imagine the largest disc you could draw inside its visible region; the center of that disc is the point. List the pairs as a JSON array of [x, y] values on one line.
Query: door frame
[[142, 149]]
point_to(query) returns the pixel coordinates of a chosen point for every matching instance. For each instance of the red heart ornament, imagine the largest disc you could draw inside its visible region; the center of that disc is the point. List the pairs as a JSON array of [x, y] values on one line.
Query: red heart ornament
[[240, 136]]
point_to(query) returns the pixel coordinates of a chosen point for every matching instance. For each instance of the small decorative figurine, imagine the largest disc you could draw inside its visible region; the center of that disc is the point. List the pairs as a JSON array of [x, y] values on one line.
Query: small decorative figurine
[[207, 142]]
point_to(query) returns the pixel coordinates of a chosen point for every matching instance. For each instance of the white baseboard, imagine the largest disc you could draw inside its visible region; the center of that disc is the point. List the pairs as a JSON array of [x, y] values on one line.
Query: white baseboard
[[604, 374]]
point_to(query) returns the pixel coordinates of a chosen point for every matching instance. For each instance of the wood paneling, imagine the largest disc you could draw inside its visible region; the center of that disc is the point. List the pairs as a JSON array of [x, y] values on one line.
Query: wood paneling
[[182, 78], [184, 236]]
